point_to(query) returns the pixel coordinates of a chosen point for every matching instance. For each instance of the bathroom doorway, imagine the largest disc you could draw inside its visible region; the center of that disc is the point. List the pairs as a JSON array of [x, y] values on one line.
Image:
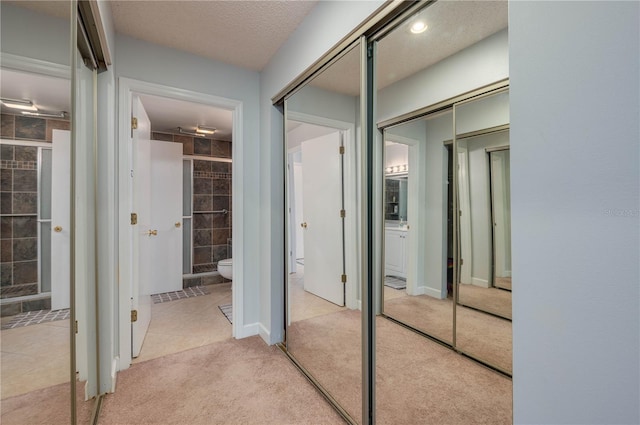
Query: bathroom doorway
[[196, 307]]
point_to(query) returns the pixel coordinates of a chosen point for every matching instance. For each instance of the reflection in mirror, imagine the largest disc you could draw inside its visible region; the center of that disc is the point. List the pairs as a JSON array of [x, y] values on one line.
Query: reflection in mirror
[[484, 300], [420, 75], [417, 282], [323, 331], [35, 304]]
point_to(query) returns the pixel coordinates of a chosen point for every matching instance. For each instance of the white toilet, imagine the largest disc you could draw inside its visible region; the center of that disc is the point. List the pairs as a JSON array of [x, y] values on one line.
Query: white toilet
[[225, 268]]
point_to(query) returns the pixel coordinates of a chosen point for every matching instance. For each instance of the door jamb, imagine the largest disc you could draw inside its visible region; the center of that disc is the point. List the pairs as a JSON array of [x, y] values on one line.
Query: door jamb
[[126, 87]]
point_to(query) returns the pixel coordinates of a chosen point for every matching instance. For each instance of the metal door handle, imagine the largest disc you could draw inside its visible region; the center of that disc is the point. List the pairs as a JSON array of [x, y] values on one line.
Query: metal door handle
[[303, 225], [152, 233], [178, 224], [57, 229]]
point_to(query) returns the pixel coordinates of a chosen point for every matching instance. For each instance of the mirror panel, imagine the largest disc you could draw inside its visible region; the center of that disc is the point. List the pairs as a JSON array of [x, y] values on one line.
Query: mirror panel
[[484, 308], [417, 281], [36, 328], [323, 332]]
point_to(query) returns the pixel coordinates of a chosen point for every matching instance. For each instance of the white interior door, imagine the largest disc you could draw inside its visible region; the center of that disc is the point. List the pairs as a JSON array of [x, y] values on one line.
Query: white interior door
[[322, 202], [60, 219], [166, 217], [141, 243]]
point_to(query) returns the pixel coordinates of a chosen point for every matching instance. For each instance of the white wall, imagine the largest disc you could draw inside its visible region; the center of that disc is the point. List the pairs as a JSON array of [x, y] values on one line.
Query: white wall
[[489, 59], [18, 35], [575, 211], [326, 24], [147, 62], [479, 194]]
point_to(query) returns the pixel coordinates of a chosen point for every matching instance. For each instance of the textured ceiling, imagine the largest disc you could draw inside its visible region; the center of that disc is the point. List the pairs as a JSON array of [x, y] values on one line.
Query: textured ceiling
[[243, 33]]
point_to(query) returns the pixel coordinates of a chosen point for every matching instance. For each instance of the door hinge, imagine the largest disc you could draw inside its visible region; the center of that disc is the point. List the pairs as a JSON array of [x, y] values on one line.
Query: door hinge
[[343, 213], [134, 219], [461, 261], [460, 213], [344, 278], [134, 123], [341, 150], [134, 316], [75, 327]]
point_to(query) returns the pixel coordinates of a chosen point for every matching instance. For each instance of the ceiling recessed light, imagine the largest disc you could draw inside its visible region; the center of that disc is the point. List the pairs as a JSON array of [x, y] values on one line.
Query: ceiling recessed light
[[418, 27]]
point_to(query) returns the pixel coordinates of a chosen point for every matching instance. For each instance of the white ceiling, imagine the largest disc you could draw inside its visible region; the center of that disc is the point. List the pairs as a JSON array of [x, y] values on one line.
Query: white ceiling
[[244, 33], [47, 93], [247, 33]]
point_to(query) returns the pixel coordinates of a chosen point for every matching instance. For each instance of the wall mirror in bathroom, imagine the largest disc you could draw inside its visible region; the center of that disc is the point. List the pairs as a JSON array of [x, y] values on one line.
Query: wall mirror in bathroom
[[483, 325], [323, 320]]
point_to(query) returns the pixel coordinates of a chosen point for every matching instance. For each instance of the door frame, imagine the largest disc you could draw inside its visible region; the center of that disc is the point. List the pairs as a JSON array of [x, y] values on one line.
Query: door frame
[[126, 88], [351, 201]]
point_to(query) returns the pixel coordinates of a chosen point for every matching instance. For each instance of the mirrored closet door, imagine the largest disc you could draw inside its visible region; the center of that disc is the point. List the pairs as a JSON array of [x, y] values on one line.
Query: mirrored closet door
[[323, 319]]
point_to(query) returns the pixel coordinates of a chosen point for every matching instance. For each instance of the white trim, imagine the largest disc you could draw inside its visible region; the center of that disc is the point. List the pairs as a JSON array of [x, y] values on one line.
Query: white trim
[[352, 203], [425, 290], [126, 87], [483, 283], [36, 66], [264, 333], [18, 142]]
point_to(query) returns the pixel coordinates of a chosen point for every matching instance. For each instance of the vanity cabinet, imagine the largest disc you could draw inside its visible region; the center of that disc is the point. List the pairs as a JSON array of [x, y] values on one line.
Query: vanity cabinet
[[395, 247]]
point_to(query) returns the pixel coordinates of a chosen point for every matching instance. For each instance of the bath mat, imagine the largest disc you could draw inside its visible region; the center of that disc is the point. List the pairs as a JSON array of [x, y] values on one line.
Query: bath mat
[[193, 291], [35, 317], [395, 282], [227, 310]]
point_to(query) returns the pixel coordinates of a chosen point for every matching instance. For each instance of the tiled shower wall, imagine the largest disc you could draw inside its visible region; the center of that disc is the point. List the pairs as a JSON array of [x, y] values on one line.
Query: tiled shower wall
[[18, 210], [211, 192]]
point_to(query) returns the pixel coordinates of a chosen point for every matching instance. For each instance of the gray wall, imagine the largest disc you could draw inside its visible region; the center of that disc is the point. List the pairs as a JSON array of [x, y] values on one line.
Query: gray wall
[[575, 211]]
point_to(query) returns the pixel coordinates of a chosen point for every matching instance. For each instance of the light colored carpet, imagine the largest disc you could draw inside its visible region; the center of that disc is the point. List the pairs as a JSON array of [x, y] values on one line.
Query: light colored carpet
[[229, 382], [418, 381], [484, 336], [47, 406], [493, 300]]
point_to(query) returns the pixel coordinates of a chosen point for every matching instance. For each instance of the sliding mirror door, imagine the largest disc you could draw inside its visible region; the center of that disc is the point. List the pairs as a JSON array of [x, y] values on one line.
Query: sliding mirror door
[[483, 325], [323, 320], [37, 330], [418, 287]]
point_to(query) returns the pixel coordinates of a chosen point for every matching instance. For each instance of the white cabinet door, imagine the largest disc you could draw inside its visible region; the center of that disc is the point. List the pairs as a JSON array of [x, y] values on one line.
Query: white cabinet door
[[395, 263], [60, 220]]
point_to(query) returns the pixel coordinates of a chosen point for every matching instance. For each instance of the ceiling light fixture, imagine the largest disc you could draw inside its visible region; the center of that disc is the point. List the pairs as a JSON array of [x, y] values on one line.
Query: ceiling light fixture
[[22, 104], [206, 130], [418, 27], [189, 133], [46, 114]]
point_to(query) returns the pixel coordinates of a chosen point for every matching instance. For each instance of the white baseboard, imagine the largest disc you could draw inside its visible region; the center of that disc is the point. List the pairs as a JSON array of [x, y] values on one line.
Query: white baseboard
[[483, 283], [435, 293], [266, 335], [247, 330], [114, 374]]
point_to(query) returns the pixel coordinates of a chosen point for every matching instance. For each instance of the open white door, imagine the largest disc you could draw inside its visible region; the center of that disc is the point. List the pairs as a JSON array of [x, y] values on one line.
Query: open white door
[[60, 219], [323, 229], [166, 217], [141, 243]]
